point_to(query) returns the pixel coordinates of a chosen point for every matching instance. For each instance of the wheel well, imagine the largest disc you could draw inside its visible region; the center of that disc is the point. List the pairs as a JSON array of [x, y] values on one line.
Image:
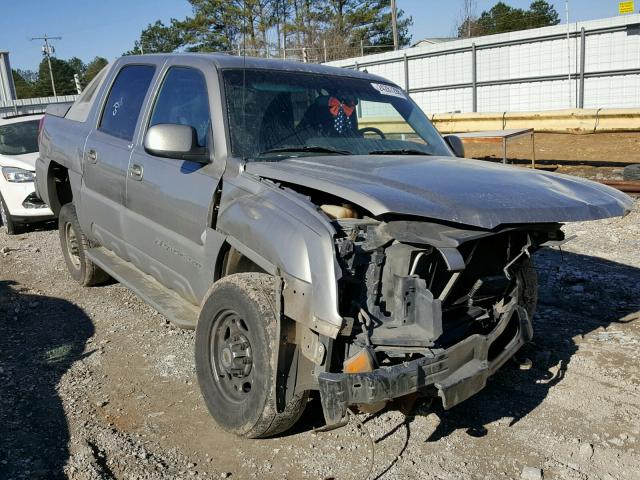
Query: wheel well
[[59, 187], [232, 261]]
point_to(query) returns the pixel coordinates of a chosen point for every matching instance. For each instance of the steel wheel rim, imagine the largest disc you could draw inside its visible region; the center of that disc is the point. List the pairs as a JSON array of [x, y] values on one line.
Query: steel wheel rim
[[71, 241], [231, 356]]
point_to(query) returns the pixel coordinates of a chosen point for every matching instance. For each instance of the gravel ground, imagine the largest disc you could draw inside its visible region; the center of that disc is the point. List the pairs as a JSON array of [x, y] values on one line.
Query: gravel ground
[[97, 385]]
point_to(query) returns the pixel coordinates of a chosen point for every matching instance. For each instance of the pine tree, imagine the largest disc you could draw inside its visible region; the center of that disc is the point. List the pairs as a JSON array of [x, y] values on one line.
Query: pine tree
[[503, 18], [62, 75], [260, 27], [93, 68], [24, 83]]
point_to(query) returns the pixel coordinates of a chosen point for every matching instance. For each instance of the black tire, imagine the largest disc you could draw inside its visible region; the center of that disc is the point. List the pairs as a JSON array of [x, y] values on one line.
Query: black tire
[[8, 225], [528, 280], [239, 315], [75, 244], [631, 172]]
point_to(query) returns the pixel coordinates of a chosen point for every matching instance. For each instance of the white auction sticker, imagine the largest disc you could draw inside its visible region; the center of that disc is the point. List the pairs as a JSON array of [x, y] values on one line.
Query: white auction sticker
[[389, 90]]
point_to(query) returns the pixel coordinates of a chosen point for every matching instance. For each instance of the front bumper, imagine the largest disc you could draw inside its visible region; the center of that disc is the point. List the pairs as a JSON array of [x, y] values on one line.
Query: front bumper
[[23, 204], [457, 373]]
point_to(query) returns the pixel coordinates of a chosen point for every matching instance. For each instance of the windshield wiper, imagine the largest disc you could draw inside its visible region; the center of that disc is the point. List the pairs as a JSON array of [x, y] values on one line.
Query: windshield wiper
[[305, 148], [399, 151]]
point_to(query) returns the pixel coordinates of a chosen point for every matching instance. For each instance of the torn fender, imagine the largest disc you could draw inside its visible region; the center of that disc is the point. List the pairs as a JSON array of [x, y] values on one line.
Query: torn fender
[[268, 224]]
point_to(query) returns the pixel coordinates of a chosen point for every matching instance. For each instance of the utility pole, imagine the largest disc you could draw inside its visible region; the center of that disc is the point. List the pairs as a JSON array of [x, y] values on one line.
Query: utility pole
[[47, 51], [394, 23], [566, 6], [468, 14], [284, 31]]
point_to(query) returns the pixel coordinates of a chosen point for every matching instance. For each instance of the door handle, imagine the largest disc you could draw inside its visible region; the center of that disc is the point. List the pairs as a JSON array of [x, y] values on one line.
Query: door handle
[[92, 156], [135, 171]]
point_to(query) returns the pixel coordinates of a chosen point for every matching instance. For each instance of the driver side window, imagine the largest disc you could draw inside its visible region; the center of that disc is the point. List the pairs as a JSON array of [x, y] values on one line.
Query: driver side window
[[183, 100]]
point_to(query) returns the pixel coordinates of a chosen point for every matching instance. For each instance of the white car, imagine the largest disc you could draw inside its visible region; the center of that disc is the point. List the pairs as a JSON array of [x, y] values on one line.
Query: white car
[[19, 203]]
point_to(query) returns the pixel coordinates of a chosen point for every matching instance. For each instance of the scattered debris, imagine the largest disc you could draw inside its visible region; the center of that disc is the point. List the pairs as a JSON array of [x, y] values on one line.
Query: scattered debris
[[586, 451], [531, 473], [65, 350]]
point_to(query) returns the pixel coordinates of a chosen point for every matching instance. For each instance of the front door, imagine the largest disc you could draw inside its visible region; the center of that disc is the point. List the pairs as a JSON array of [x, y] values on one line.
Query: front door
[[107, 152], [169, 201]]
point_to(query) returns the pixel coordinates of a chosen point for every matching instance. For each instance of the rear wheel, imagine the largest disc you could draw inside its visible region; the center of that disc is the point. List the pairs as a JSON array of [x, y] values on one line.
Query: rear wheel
[[234, 344], [74, 245], [9, 226]]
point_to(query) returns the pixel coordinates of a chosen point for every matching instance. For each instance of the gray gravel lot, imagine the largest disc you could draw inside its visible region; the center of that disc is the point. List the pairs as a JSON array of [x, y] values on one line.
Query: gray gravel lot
[[97, 385]]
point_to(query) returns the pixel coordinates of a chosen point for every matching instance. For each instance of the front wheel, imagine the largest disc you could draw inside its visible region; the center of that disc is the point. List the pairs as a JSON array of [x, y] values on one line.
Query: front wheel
[[235, 338], [74, 245], [8, 226]]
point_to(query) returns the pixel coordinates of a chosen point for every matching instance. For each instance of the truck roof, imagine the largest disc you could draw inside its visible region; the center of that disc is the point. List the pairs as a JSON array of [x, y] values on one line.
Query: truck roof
[[221, 60]]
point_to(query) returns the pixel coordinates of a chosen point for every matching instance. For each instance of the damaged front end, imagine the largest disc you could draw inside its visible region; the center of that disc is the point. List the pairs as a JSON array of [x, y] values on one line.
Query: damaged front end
[[433, 308], [434, 284]]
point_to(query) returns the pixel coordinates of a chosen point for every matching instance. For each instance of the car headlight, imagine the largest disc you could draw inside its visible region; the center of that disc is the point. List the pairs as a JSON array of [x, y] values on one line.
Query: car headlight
[[18, 175]]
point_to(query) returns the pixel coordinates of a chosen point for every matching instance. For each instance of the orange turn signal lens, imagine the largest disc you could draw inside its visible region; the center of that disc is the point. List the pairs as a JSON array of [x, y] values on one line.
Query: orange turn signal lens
[[360, 362]]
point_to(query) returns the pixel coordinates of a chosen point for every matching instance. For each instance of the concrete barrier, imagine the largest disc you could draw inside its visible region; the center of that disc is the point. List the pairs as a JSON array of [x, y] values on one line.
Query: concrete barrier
[[576, 121]]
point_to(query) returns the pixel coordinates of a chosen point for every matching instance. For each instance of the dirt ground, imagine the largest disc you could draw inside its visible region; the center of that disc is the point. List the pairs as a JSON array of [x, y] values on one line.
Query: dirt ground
[[600, 147], [97, 385]]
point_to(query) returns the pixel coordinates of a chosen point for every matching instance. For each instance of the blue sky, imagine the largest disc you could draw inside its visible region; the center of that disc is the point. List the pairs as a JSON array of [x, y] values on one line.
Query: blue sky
[[109, 27]]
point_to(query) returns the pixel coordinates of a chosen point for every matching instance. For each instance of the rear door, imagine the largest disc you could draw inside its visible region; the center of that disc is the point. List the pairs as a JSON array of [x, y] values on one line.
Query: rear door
[[107, 152], [169, 201]]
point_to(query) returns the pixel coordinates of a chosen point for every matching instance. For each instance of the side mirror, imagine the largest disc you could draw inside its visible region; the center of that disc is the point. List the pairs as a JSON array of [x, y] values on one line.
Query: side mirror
[[456, 145], [175, 141]]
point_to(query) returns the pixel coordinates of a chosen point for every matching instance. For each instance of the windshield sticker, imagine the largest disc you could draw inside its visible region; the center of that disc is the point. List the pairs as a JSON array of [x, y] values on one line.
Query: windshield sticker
[[389, 90]]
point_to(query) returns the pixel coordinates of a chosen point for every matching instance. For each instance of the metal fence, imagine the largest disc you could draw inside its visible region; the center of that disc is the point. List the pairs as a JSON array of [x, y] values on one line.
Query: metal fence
[[30, 106], [593, 64]]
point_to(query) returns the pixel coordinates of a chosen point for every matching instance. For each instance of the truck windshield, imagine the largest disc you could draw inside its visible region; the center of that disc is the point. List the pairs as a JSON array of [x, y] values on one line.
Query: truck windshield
[[19, 138], [277, 114]]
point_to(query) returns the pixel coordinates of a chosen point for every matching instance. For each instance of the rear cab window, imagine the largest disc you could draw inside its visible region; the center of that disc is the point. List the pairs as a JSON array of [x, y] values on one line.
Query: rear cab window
[[124, 102]]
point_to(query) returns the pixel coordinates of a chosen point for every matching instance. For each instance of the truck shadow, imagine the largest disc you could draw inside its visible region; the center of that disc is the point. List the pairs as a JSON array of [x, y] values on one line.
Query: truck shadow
[[25, 228], [578, 295], [41, 337]]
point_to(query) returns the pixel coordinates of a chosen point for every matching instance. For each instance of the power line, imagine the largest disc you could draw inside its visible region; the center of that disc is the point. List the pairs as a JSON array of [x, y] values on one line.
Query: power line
[[47, 51]]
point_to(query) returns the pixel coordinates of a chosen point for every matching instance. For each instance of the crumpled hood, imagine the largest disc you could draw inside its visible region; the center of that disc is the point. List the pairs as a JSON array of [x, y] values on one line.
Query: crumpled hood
[[26, 161], [470, 192]]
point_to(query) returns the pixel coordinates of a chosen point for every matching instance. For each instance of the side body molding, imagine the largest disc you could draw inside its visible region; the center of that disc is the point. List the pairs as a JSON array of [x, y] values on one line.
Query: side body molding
[[284, 234]]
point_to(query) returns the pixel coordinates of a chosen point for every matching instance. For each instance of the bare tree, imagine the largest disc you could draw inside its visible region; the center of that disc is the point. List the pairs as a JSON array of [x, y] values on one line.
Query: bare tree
[[466, 23]]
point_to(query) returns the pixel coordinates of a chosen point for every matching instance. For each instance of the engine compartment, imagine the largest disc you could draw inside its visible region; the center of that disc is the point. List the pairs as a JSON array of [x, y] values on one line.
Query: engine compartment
[[412, 287]]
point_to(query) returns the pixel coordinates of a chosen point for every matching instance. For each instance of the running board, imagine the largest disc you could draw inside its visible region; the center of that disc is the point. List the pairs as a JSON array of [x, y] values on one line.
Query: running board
[[179, 311]]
